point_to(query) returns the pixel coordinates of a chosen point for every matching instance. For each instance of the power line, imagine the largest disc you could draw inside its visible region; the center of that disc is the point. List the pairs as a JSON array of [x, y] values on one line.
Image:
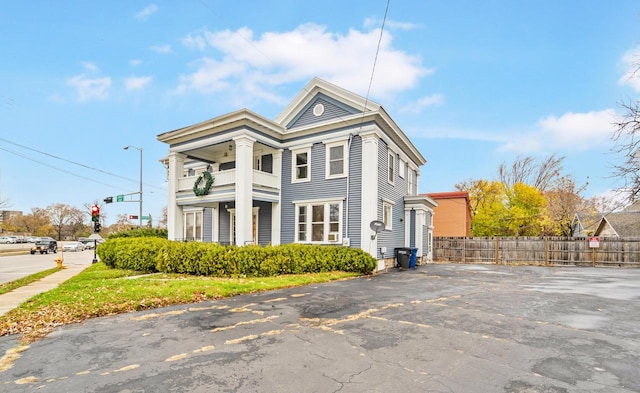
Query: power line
[[69, 161], [56, 168]]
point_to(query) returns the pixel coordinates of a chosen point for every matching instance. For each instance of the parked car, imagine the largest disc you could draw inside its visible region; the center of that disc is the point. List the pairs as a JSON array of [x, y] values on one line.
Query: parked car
[[73, 246], [32, 239], [45, 245], [11, 239], [4, 240]]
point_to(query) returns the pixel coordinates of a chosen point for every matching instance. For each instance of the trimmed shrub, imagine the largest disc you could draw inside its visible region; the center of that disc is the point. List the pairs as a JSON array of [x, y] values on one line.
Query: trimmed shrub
[[151, 254], [141, 232]]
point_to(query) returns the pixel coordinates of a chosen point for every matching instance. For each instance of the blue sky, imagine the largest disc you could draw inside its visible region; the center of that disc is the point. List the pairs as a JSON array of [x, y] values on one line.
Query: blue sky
[[473, 84]]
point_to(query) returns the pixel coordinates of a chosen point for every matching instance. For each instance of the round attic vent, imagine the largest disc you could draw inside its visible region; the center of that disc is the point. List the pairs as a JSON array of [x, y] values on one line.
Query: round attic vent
[[318, 109]]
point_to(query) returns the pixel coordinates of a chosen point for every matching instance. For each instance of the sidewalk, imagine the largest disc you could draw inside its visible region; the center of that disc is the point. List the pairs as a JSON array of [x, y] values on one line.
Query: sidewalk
[[13, 299]]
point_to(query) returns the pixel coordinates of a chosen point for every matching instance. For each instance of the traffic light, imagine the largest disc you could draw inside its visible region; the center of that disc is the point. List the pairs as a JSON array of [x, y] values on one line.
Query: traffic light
[[96, 227], [108, 199], [95, 213], [131, 217]]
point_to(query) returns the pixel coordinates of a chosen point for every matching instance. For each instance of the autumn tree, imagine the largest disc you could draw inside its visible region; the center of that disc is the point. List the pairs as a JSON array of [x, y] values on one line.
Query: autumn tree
[[36, 223], [487, 199], [526, 207]]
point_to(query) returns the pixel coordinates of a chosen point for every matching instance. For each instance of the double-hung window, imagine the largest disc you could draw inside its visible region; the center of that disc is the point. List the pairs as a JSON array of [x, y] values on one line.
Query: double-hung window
[[300, 166], [387, 213], [193, 225], [391, 166], [336, 159], [318, 221]]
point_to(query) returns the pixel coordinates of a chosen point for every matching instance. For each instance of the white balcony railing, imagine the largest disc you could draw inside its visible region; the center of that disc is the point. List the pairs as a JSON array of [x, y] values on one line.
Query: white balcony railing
[[228, 177]]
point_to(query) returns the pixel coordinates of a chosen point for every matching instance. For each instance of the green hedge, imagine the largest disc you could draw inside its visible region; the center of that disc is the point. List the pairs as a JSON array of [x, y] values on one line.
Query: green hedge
[[153, 254], [141, 232]]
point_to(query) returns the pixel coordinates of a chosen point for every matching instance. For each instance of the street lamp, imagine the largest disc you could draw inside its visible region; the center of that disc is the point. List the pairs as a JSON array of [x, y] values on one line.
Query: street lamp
[[140, 150]]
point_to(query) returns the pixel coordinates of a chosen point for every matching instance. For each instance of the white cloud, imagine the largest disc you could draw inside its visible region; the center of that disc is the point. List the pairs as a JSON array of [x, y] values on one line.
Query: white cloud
[[417, 106], [574, 131], [161, 48], [256, 64], [91, 67], [194, 42], [137, 82], [89, 89], [135, 62], [147, 12], [631, 63]]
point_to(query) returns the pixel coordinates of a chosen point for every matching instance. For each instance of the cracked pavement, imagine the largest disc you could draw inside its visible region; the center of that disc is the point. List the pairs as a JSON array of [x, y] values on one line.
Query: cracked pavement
[[438, 328]]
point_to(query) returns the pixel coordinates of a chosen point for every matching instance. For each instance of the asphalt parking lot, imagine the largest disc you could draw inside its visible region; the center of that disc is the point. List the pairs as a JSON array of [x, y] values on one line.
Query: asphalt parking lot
[[438, 328]]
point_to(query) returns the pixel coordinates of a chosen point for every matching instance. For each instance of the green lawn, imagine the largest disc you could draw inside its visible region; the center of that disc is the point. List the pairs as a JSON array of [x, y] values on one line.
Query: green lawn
[[100, 291]]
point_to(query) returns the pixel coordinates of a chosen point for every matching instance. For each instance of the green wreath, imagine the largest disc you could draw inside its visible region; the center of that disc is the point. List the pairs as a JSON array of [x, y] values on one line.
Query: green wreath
[[200, 191]]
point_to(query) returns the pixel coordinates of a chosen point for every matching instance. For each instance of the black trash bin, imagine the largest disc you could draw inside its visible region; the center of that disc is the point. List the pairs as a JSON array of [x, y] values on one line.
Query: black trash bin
[[403, 257]]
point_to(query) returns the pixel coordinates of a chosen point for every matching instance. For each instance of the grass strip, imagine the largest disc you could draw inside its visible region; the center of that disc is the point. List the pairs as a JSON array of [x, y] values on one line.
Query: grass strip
[[101, 291], [21, 282]]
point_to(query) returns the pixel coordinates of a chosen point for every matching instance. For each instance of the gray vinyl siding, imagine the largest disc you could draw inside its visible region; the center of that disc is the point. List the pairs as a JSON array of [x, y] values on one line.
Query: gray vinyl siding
[[320, 188], [412, 229], [224, 230], [354, 220], [332, 110], [207, 224], [264, 222], [395, 192]]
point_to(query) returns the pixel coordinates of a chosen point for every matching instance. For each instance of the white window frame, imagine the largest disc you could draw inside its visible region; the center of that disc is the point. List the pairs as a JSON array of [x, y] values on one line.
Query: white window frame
[[294, 166], [198, 221], [402, 168], [345, 162], [387, 213], [391, 164], [308, 224]]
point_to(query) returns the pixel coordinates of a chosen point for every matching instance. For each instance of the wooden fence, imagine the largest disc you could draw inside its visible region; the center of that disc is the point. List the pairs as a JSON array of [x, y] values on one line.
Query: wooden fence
[[552, 251]]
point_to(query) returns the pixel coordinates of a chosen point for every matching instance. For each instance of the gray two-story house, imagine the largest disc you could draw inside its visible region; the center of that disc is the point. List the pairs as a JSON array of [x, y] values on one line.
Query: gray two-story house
[[327, 167]]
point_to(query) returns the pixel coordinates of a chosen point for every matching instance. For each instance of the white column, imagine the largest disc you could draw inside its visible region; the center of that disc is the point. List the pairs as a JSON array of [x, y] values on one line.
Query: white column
[[244, 189], [215, 222], [419, 240], [407, 227], [369, 207], [174, 212], [276, 218]]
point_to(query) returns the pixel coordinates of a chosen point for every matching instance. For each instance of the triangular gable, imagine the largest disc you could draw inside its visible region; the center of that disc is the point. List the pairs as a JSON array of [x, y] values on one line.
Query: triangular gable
[[320, 109], [321, 89]]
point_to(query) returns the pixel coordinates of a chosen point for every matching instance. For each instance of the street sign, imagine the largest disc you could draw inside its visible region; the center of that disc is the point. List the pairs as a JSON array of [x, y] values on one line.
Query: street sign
[[594, 242], [145, 217], [119, 198]]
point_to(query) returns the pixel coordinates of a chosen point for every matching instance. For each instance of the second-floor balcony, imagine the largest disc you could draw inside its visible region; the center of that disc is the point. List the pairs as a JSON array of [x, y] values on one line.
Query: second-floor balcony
[[228, 177]]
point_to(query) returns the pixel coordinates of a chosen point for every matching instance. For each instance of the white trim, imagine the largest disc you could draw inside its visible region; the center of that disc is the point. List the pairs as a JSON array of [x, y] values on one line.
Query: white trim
[[294, 167], [345, 160], [402, 168], [319, 200]]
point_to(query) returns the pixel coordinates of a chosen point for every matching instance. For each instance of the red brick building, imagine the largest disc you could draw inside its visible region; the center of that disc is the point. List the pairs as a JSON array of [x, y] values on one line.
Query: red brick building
[[452, 216]]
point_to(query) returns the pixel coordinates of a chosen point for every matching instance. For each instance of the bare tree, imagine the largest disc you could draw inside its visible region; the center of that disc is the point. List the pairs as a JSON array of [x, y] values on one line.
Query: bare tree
[[62, 215], [626, 139], [542, 176]]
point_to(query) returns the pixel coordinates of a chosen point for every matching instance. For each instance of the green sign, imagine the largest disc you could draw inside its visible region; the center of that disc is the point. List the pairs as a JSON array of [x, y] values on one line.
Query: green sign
[[145, 217], [119, 198]]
